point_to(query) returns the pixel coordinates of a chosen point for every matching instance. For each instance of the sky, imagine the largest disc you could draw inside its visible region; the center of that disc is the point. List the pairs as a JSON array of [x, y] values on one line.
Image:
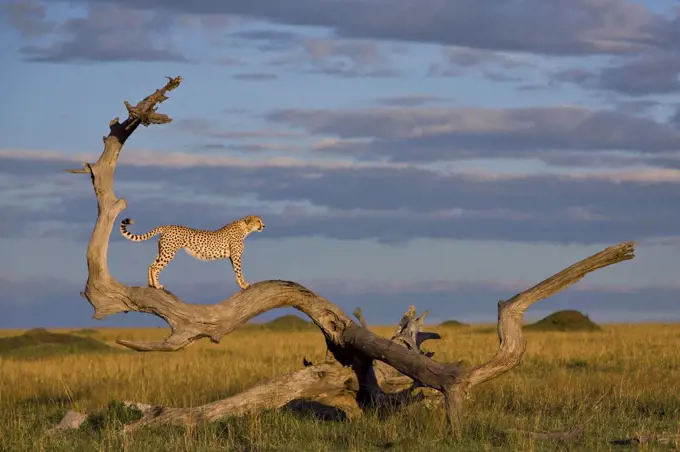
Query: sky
[[441, 153]]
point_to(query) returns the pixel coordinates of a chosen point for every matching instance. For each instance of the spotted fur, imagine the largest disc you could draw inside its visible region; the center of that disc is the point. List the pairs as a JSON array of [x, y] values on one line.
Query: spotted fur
[[207, 245]]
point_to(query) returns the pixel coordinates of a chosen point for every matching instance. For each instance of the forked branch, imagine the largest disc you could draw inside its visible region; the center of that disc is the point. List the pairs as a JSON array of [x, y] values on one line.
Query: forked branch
[[351, 344]]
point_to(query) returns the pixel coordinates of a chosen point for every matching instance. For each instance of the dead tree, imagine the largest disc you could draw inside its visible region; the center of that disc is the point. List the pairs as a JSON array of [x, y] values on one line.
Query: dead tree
[[351, 381]]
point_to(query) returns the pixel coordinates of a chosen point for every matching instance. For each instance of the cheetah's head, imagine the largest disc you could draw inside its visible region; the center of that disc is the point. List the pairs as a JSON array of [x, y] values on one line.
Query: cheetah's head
[[254, 223]]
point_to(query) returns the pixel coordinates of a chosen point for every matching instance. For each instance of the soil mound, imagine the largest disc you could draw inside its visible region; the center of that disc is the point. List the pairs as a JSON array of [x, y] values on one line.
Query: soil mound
[[39, 342], [564, 321], [453, 324], [289, 322]]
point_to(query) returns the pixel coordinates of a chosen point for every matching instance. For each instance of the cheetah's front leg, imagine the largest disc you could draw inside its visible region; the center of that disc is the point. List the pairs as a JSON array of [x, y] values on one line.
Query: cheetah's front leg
[[236, 264]]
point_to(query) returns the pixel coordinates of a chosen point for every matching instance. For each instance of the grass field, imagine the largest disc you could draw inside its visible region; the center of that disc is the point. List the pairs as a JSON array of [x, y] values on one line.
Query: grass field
[[623, 380]]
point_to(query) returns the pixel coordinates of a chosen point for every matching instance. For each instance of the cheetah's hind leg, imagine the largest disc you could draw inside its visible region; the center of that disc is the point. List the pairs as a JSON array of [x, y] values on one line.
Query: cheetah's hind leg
[[165, 254], [153, 278]]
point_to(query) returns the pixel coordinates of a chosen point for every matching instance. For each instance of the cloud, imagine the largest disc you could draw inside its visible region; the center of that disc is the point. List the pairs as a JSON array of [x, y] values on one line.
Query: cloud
[[251, 147], [259, 134], [647, 74], [474, 34], [107, 32], [338, 57], [348, 202], [500, 77], [342, 70], [413, 100], [477, 302], [27, 17], [268, 40], [100, 37], [211, 137], [493, 66], [439, 134], [462, 57], [349, 58], [561, 27], [229, 61], [675, 118], [210, 22], [255, 76], [172, 160], [55, 303], [637, 106], [207, 128]]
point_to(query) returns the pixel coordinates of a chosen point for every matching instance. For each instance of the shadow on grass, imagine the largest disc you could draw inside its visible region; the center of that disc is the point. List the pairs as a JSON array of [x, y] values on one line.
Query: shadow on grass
[[308, 409]]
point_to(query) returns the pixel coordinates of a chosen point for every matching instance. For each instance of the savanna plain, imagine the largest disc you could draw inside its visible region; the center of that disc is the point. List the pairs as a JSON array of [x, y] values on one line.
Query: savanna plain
[[619, 382]]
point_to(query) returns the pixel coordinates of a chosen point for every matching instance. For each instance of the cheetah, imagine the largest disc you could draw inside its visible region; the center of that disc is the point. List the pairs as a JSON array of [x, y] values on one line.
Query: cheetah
[[206, 245]]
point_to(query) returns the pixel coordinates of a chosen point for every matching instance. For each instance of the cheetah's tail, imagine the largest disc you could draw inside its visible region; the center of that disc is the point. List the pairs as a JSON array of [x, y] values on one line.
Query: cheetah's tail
[[135, 237]]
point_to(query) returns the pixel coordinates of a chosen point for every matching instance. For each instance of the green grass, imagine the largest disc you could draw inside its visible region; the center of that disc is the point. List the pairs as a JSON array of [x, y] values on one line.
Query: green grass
[[85, 332], [624, 380]]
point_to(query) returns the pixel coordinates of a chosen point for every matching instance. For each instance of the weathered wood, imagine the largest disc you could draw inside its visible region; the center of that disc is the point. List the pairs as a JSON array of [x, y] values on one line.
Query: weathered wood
[[668, 439], [71, 420], [351, 344], [327, 381]]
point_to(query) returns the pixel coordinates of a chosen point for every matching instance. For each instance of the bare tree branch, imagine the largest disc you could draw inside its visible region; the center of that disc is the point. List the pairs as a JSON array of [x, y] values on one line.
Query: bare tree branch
[[327, 380], [360, 317], [329, 383], [672, 439], [71, 420], [351, 344], [510, 319]]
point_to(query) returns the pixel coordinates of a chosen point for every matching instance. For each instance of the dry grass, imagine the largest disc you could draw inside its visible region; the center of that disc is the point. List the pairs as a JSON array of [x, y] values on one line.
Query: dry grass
[[626, 379]]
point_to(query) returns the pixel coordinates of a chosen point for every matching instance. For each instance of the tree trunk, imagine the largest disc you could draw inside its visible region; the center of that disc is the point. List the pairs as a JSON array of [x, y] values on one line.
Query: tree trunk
[[352, 345]]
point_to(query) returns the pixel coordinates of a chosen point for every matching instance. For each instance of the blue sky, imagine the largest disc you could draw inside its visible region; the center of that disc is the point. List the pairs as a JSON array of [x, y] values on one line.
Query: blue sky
[[442, 153]]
